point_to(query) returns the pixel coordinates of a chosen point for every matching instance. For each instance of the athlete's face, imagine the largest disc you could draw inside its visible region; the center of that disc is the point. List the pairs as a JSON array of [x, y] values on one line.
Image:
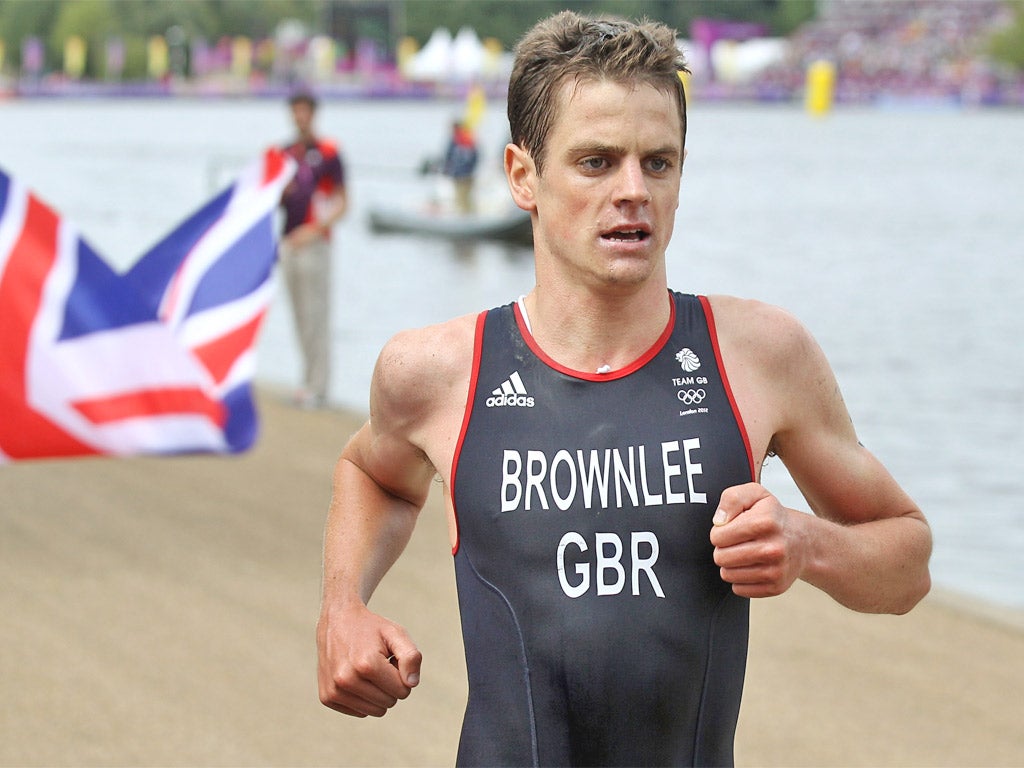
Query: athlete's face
[[608, 193]]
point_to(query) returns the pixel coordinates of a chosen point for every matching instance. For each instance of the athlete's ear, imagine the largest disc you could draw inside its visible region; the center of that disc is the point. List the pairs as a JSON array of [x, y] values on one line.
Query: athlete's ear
[[521, 172]]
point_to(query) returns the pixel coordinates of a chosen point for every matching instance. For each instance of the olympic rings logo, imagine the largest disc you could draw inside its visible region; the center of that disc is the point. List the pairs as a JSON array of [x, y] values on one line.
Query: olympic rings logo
[[691, 396]]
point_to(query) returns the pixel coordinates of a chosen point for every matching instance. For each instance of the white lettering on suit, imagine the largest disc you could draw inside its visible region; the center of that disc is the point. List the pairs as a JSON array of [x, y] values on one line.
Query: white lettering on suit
[[608, 571], [592, 479]]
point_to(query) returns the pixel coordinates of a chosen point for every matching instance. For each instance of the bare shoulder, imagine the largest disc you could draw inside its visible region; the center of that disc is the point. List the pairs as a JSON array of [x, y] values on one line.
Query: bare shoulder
[[415, 362], [421, 381], [762, 333], [783, 383]]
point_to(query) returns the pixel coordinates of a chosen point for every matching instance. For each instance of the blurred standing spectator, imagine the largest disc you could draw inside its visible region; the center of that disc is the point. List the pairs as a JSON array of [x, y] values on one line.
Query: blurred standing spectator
[[313, 202]]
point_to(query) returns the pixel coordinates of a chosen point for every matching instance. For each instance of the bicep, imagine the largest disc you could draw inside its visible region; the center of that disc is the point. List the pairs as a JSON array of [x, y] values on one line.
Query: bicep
[[380, 483], [388, 461], [417, 397], [368, 525], [841, 480], [390, 448]]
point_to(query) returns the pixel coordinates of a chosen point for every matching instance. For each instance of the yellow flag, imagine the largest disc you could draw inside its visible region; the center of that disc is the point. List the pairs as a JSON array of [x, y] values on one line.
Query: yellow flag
[[476, 105]]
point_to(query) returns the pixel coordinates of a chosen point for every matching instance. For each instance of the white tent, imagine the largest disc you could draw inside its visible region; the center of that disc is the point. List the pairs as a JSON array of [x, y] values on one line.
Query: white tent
[[462, 58], [468, 55], [740, 62], [433, 61]]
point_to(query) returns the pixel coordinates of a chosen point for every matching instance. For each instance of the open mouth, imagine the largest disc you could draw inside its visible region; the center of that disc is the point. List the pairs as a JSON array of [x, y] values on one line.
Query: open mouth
[[627, 235]]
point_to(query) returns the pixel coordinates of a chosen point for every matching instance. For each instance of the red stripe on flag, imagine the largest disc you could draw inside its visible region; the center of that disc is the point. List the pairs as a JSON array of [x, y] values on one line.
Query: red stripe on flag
[[145, 403], [273, 162], [220, 354], [23, 432]]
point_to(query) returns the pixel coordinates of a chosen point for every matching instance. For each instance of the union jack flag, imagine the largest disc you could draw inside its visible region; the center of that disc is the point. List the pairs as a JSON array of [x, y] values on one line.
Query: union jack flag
[[156, 360]]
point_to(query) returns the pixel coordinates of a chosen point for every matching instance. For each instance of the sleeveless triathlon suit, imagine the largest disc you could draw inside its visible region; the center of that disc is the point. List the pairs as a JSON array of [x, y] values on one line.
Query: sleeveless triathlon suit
[[596, 626]]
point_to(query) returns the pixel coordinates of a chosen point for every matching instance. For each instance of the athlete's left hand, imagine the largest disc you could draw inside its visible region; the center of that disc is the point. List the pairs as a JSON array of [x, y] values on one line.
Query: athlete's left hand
[[760, 545]]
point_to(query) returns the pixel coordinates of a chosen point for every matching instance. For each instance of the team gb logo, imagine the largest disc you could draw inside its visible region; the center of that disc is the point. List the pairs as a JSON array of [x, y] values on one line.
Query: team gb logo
[[688, 360]]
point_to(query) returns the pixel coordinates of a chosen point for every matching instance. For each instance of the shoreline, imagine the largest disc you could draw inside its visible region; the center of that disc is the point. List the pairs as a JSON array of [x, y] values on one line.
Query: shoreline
[[161, 611], [978, 608], [391, 89]]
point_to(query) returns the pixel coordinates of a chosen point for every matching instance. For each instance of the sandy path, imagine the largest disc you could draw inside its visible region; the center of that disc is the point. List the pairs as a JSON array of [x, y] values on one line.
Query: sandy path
[[162, 611]]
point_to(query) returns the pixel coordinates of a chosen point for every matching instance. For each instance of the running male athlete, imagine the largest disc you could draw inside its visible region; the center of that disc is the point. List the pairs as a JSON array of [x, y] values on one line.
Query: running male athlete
[[600, 443]]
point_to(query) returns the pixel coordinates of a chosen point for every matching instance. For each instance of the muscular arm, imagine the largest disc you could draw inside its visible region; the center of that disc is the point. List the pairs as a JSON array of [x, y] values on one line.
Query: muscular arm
[[368, 525], [366, 662], [367, 529], [867, 544]]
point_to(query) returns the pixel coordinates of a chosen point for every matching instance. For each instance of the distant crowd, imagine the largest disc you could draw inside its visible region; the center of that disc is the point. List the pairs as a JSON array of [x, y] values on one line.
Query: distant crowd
[[931, 51], [911, 50]]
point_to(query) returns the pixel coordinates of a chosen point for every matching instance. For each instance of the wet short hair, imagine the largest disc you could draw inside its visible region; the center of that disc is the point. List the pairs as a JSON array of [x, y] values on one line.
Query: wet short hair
[[570, 46]]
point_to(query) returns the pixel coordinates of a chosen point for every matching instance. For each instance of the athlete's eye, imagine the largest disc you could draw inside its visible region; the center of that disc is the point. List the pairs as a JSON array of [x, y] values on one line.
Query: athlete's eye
[[593, 163], [659, 164]]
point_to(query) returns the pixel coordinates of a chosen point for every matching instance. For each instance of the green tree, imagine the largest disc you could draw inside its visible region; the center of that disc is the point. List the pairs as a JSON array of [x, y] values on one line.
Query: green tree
[[260, 19], [92, 20], [134, 21], [1007, 45], [20, 19], [156, 17], [53, 21], [507, 20]]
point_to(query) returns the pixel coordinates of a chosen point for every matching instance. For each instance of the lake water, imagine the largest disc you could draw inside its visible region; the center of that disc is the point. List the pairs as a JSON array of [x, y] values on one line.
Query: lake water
[[896, 236]]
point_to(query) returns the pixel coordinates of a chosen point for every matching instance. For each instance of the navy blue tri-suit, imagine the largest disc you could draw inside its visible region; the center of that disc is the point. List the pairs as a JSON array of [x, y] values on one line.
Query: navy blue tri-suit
[[597, 628]]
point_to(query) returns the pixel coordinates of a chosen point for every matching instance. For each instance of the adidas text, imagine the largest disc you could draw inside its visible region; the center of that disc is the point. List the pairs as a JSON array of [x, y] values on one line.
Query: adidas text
[[521, 401]]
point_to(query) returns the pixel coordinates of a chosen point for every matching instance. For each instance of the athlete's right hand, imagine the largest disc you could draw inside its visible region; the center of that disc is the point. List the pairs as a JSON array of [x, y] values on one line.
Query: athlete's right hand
[[366, 663]]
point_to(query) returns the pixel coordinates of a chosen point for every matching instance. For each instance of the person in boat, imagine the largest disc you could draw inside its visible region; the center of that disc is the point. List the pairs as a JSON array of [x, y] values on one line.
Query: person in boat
[[600, 443], [313, 202], [460, 161]]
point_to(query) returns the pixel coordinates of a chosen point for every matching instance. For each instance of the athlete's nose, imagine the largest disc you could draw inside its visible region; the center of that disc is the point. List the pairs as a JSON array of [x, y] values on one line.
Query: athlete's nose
[[632, 183]]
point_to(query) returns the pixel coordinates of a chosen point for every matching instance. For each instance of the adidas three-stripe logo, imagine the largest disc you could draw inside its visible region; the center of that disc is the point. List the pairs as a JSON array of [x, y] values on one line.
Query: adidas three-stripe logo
[[511, 392]]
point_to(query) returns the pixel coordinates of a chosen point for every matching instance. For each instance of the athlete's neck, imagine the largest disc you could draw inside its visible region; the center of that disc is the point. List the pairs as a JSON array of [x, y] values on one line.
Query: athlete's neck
[[600, 334]]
